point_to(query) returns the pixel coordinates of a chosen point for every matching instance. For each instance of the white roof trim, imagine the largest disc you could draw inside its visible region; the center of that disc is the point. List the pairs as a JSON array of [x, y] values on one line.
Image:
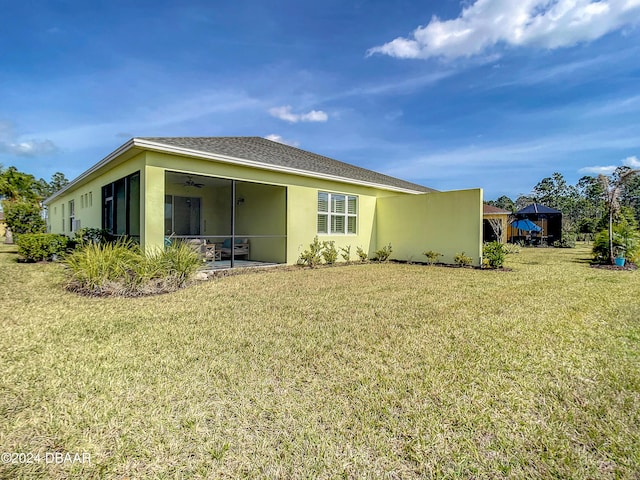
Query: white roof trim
[[161, 147]]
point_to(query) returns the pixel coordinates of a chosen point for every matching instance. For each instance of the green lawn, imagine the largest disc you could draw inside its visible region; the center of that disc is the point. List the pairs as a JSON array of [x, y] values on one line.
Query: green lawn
[[366, 371]]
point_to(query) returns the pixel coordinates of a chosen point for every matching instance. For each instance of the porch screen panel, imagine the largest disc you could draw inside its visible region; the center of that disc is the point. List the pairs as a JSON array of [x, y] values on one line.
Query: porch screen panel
[[168, 214], [133, 207], [120, 200]]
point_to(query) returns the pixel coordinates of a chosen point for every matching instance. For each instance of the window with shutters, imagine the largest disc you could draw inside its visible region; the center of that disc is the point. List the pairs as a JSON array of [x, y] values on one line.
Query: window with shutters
[[337, 213]]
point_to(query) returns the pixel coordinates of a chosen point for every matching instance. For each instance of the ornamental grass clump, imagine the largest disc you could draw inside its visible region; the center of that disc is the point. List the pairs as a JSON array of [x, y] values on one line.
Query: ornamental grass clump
[[121, 268]]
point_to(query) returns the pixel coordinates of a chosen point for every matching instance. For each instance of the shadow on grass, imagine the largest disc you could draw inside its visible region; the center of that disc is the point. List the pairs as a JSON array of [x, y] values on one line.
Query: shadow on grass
[[587, 260]]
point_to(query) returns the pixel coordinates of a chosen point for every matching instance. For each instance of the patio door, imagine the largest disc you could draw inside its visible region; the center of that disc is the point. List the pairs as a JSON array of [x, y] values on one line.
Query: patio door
[[182, 215]]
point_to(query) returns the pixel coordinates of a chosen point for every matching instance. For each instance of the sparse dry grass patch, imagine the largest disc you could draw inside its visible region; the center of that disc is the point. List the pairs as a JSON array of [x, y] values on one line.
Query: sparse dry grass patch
[[366, 371]]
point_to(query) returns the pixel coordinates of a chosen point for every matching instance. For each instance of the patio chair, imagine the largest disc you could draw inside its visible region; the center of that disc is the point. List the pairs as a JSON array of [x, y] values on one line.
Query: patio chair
[[240, 249]]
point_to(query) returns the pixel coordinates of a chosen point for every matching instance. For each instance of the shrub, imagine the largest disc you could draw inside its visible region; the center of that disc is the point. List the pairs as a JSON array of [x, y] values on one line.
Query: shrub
[[568, 238], [313, 255], [362, 255], [91, 235], [35, 247], [346, 253], [432, 256], [384, 253], [494, 253], [23, 217], [462, 259], [329, 252], [121, 268], [626, 242], [567, 241]]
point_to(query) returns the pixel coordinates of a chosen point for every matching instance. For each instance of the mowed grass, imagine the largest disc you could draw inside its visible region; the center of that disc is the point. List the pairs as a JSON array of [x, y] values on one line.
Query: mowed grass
[[365, 371]]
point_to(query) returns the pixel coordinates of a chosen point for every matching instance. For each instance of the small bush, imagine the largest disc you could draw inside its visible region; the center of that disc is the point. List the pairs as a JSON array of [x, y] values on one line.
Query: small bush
[[122, 269], [346, 253], [494, 253], [432, 257], [35, 247], [384, 253], [462, 259], [626, 243], [23, 217], [568, 238], [329, 252], [312, 257], [362, 255], [91, 235]]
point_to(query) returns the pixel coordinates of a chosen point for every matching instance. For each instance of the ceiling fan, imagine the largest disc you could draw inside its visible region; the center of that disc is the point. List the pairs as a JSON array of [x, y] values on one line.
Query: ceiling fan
[[191, 183]]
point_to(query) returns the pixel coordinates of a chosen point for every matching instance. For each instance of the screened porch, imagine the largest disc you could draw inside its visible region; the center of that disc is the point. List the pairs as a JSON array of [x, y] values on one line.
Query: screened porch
[[235, 222]]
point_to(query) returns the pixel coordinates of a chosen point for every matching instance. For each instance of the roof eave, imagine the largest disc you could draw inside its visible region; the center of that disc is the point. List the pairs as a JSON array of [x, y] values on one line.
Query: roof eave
[[160, 147], [266, 166], [106, 160]]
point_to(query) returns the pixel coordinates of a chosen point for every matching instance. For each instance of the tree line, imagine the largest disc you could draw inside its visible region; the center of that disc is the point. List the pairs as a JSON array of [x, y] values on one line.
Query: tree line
[[585, 206], [22, 195]]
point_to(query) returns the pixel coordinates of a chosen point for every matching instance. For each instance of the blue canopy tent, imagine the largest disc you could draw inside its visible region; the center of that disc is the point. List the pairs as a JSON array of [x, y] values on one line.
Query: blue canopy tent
[[548, 218], [526, 225]]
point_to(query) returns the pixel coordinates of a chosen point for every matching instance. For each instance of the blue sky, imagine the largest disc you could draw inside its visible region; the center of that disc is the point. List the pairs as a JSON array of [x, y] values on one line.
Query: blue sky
[[489, 93]]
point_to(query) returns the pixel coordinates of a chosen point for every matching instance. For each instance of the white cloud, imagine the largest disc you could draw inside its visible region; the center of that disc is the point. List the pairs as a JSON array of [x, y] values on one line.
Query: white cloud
[[285, 113], [13, 144], [632, 162], [597, 170], [540, 23], [277, 138]]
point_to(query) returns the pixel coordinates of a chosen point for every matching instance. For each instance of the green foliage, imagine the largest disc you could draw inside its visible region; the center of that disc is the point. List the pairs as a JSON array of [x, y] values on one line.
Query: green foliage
[[362, 255], [569, 238], [16, 185], [329, 252], [35, 247], [494, 253], [91, 235], [511, 248], [346, 253], [120, 268], [383, 254], [312, 257], [462, 259], [568, 241], [23, 217], [626, 243], [432, 256]]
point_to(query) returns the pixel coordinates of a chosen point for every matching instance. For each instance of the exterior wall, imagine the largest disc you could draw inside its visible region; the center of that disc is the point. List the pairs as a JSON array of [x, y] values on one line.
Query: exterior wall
[[278, 203], [301, 203], [503, 219], [88, 198], [446, 222]]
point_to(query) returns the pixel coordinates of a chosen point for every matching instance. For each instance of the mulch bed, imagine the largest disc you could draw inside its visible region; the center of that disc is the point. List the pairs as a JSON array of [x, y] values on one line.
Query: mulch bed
[[628, 266]]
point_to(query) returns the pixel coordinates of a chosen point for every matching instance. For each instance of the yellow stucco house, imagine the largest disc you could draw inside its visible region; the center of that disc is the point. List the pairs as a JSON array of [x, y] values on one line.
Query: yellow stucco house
[[273, 196]]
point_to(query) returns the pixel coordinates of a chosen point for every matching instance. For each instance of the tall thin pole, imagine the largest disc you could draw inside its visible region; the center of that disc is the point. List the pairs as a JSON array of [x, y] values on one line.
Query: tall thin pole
[[233, 221]]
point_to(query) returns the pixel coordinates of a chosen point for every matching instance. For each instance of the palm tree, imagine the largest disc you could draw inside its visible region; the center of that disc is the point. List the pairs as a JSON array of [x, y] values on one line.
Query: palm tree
[[612, 188]]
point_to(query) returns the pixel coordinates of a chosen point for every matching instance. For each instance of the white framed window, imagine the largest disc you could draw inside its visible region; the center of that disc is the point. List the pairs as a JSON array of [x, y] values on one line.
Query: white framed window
[[72, 215], [337, 213]]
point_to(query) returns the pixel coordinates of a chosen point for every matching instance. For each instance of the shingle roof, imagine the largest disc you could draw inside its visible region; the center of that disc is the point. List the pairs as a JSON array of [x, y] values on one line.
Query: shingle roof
[[258, 149], [537, 208], [491, 209]]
